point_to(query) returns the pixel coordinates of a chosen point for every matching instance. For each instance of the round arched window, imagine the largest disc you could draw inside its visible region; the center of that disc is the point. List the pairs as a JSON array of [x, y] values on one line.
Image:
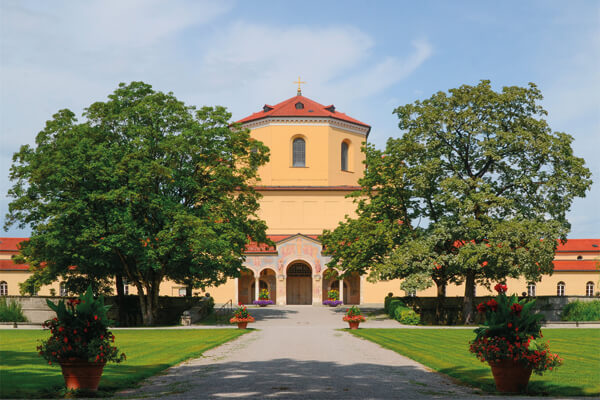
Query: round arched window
[[344, 153], [560, 289], [3, 288], [589, 289], [299, 152]]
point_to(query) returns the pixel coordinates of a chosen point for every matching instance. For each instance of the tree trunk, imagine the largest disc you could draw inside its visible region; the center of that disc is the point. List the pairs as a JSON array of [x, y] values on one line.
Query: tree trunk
[[468, 312], [120, 294], [440, 303]]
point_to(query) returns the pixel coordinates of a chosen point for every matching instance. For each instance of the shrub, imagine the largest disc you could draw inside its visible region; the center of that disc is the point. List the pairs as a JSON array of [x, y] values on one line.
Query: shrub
[[398, 310], [392, 305], [581, 311], [387, 300], [407, 316], [11, 311]]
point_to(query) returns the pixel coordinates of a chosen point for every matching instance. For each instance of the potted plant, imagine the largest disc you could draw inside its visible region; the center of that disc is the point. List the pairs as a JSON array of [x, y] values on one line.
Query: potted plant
[[333, 298], [510, 341], [353, 317], [241, 317], [80, 340], [263, 298]]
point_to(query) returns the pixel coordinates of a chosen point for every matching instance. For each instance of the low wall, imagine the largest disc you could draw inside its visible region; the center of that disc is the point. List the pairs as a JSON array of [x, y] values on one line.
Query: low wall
[[170, 308], [550, 306]]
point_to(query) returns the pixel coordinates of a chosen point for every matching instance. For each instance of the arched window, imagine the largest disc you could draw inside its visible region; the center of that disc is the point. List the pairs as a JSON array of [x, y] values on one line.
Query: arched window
[[589, 289], [299, 153], [531, 289], [344, 156], [63, 290], [125, 287], [579, 257], [560, 289], [3, 288]]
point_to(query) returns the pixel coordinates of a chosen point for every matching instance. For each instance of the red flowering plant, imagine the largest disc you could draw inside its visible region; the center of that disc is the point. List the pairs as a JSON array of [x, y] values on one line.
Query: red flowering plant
[[512, 331], [353, 314], [79, 332], [241, 315]]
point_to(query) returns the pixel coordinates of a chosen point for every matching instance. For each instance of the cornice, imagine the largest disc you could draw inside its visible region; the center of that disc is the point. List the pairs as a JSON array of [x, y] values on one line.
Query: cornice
[[304, 121]]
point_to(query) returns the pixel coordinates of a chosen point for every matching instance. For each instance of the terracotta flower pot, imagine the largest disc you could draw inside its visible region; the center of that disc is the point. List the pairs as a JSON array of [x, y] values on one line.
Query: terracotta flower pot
[[242, 325], [353, 324], [81, 374], [510, 376]]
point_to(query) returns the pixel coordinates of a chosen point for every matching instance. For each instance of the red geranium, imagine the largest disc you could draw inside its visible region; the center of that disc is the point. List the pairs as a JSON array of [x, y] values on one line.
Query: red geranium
[[516, 308], [500, 288], [481, 308], [493, 305]]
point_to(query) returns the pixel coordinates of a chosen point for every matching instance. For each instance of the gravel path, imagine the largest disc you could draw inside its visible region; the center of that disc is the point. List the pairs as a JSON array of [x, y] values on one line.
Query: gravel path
[[296, 352]]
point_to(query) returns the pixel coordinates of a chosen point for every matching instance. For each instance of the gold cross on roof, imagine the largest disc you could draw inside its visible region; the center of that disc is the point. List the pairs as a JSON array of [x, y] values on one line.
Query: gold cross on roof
[[299, 82]]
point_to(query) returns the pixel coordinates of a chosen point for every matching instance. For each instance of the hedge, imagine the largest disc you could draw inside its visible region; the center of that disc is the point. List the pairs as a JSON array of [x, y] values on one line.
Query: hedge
[[581, 311]]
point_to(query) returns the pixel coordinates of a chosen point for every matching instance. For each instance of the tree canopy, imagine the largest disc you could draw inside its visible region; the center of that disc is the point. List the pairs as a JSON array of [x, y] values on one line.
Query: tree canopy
[[145, 188], [476, 189]]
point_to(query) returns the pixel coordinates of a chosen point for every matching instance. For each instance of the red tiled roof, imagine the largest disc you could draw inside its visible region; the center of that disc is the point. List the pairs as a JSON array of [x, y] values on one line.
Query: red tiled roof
[[576, 265], [10, 244], [287, 108], [576, 245], [9, 265]]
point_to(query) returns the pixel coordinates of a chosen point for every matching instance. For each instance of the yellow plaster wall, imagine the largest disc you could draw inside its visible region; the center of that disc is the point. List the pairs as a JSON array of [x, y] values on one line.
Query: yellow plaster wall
[[289, 212], [13, 278], [323, 156], [575, 283]]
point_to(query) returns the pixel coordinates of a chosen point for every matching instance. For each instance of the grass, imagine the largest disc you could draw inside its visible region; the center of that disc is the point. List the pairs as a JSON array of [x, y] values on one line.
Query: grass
[[23, 373], [446, 351]]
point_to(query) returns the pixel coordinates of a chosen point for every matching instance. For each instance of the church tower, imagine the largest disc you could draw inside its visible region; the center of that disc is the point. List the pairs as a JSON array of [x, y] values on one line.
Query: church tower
[[315, 161]]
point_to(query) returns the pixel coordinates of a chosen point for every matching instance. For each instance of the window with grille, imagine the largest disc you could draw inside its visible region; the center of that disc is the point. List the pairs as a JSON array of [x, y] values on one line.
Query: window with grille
[[63, 290], [298, 269], [560, 289], [344, 156], [531, 290], [589, 289], [299, 153], [3, 288]]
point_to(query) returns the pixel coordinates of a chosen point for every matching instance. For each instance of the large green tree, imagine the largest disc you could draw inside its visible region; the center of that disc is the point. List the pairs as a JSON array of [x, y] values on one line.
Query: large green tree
[[480, 184], [145, 188]]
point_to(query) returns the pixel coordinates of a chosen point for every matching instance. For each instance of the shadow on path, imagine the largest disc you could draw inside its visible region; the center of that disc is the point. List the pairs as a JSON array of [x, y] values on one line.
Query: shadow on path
[[287, 378]]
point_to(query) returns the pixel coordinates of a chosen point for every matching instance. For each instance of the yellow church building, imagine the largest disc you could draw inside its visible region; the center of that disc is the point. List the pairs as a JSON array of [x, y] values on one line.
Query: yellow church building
[[316, 160]]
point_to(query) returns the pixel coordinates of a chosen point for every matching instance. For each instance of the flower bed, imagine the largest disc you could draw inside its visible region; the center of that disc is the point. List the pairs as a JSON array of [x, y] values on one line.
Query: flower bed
[[262, 302], [332, 303]]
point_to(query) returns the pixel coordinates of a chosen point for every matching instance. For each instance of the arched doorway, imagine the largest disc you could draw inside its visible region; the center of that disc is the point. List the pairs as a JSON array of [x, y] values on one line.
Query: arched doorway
[[352, 289], [268, 281], [299, 284], [351, 286], [329, 280], [246, 287]]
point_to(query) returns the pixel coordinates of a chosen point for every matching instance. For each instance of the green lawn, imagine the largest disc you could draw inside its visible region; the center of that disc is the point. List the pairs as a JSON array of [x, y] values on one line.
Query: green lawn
[[446, 351], [23, 373]]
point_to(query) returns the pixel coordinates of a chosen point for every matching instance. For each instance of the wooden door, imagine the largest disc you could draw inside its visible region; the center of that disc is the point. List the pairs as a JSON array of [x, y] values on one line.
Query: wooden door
[[299, 290]]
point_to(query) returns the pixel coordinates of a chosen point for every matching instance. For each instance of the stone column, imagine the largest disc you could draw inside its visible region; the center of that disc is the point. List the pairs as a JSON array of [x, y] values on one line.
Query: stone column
[[281, 294], [341, 289], [256, 287], [236, 297], [362, 281], [317, 297]]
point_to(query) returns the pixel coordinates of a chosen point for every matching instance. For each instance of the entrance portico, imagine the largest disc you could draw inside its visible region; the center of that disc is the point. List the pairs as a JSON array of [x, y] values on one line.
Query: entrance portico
[[294, 273]]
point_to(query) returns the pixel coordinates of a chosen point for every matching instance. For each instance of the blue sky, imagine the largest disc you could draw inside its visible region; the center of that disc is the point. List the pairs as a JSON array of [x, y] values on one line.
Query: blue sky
[[365, 57]]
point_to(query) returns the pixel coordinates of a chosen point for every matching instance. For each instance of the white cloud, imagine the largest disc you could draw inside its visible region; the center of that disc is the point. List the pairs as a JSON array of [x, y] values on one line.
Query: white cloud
[[65, 54]]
